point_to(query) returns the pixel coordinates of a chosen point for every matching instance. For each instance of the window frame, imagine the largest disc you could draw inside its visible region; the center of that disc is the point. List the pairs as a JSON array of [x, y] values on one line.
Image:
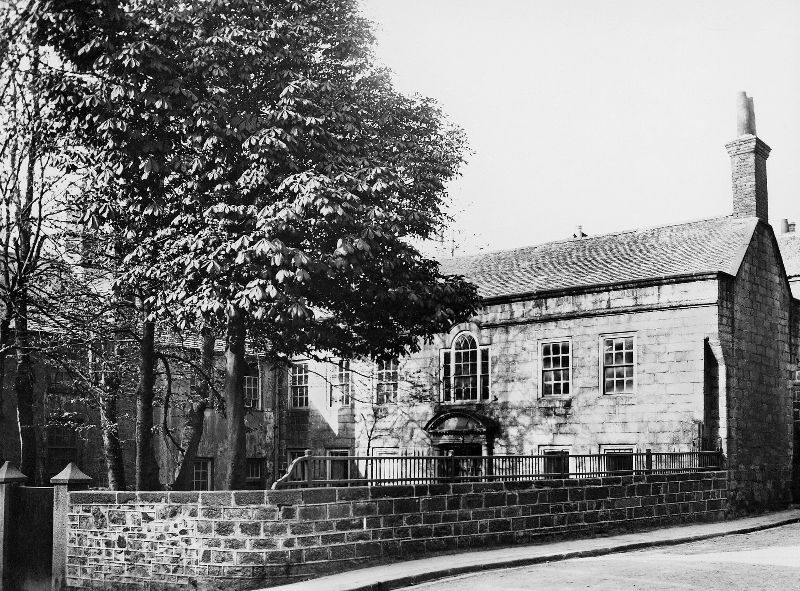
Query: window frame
[[541, 369], [619, 449], [258, 399], [255, 462], [209, 463], [342, 368], [447, 365], [602, 366], [384, 382], [796, 404], [306, 385], [555, 451]]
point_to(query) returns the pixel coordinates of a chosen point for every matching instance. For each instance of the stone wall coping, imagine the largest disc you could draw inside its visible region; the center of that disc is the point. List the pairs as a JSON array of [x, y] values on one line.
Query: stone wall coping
[[314, 496]]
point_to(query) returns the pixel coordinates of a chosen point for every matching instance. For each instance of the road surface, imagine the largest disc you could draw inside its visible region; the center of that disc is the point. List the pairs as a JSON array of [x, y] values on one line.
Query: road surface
[[768, 560]]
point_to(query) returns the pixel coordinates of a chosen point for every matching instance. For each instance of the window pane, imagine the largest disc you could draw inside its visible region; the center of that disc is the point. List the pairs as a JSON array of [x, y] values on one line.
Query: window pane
[[298, 385], [387, 381], [484, 374], [618, 366], [466, 371], [201, 474], [555, 363], [465, 342]]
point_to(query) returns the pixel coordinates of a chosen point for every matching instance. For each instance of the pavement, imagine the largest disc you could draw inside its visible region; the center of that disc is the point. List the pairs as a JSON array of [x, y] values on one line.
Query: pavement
[[413, 572]]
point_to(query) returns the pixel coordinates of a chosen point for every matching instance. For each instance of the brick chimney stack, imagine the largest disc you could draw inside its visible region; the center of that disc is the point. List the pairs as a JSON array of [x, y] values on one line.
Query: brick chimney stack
[[748, 164]]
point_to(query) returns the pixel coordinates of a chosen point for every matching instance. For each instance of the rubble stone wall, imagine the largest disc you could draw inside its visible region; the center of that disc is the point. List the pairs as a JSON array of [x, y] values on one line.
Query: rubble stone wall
[[212, 540]]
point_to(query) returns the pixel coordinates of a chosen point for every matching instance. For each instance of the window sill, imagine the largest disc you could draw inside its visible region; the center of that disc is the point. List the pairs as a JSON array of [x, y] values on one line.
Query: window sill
[[555, 397], [556, 404]]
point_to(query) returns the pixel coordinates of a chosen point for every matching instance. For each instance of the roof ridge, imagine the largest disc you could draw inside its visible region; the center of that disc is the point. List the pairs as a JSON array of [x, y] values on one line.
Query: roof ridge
[[586, 238]]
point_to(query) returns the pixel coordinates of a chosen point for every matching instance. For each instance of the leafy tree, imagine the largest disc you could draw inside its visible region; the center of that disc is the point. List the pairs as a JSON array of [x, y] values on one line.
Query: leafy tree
[[262, 173]]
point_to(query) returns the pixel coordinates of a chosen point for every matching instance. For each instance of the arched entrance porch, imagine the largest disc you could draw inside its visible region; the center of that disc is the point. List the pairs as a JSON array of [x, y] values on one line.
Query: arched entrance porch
[[465, 433]]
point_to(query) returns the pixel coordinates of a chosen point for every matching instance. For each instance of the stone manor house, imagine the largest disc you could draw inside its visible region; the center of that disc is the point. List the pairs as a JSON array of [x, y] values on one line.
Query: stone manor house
[[673, 338]]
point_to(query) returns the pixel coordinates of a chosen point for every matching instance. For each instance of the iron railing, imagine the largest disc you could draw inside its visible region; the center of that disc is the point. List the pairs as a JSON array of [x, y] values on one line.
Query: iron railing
[[314, 471]]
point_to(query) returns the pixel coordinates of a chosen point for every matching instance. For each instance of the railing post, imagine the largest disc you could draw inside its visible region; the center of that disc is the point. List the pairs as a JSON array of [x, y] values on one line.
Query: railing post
[[309, 468], [10, 478], [70, 478], [451, 460], [648, 460]]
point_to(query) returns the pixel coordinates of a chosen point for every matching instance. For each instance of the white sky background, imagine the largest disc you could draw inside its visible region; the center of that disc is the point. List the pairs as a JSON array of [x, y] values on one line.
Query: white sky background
[[612, 114]]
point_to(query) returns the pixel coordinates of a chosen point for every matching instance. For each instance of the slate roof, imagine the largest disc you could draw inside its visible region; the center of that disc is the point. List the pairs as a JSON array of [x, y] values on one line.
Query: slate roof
[[704, 246]]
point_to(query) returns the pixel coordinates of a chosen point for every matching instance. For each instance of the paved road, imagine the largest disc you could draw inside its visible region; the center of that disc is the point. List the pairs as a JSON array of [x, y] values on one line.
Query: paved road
[[768, 559]]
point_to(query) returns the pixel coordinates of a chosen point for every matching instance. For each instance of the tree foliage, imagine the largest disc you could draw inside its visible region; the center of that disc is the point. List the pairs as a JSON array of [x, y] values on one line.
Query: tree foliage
[[253, 167], [264, 166]]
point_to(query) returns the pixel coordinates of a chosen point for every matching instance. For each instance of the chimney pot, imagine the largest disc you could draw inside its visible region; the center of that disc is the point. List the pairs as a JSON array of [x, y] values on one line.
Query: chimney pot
[[746, 115], [791, 227], [784, 226]]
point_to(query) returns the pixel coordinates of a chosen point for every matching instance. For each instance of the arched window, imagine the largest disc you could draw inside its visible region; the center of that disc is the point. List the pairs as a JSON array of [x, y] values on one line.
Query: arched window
[[465, 371]]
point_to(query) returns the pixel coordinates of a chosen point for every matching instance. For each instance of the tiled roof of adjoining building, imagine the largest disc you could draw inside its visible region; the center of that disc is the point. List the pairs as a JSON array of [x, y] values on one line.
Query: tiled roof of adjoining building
[[705, 246]]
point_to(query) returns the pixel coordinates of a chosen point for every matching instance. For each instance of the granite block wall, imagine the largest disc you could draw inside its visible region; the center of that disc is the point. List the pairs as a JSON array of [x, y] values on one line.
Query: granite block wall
[[755, 334], [214, 540]]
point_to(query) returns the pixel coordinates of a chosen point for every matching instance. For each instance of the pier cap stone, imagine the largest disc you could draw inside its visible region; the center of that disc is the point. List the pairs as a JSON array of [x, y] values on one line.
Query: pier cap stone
[[71, 475], [10, 473]]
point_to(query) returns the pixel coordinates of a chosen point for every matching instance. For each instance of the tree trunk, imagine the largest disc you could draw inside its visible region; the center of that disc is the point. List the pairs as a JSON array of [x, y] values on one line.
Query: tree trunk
[[195, 414], [5, 337], [112, 449], [23, 387], [236, 449], [147, 476], [23, 381]]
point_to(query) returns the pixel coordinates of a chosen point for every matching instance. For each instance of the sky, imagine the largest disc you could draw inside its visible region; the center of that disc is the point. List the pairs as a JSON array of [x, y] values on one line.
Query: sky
[[609, 114]]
